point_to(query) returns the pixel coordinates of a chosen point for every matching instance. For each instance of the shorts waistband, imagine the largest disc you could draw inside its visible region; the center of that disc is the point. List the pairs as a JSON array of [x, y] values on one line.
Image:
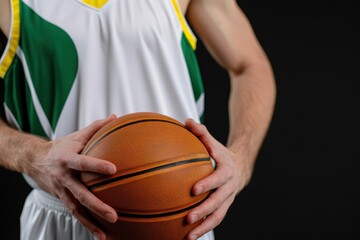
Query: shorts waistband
[[45, 199]]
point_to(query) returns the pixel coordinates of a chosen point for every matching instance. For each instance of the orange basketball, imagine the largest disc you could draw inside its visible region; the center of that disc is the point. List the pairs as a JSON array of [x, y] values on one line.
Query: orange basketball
[[158, 162]]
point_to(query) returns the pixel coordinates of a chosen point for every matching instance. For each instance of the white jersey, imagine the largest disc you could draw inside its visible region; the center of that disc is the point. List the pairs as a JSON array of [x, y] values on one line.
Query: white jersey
[[70, 62]]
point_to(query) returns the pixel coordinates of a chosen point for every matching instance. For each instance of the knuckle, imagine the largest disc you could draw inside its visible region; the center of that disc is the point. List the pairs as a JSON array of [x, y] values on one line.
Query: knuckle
[[217, 204], [62, 161], [203, 128], [82, 140], [73, 209], [82, 163], [59, 176], [218, 219], [81, 197]]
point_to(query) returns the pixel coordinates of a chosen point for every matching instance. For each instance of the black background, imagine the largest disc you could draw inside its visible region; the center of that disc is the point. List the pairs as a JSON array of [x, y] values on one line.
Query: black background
[[306, 177]]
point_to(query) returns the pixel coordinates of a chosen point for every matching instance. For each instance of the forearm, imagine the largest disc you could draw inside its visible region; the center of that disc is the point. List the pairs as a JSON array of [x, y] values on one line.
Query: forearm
[[251, 106], [17, 147], [54, 165]]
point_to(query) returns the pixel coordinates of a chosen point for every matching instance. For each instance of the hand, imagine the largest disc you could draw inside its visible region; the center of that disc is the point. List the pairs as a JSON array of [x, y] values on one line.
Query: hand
[[56, 170], [231, 175]]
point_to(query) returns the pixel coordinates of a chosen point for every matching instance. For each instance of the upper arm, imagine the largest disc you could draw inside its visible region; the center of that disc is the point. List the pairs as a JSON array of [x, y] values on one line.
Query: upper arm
[[226, 33], [5, 16]]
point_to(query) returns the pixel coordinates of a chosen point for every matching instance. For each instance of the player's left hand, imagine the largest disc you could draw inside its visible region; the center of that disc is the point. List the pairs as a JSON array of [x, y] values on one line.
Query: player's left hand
[[233, 172]]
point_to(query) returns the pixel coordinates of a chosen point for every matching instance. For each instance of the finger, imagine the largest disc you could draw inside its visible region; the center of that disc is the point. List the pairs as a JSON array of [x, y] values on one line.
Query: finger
[[95, 126], [218, 178], [90, 201], [215, 148], [210, 222], [200, 131], [212, 204], [81, 214], [89, 164]]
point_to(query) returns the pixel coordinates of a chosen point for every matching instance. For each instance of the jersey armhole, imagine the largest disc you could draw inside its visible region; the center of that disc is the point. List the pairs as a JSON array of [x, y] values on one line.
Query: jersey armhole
[[13, 40], [190, 36]]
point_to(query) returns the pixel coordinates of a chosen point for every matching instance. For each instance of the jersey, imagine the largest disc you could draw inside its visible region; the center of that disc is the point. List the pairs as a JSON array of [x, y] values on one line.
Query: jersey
[[70, 62]]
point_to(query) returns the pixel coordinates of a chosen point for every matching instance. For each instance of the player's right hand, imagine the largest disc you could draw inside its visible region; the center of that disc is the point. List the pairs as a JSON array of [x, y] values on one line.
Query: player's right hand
[[56, 170]]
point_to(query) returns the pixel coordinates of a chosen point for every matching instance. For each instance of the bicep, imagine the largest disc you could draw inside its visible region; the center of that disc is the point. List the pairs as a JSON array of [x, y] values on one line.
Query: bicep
[[5, 16], [226, 32]]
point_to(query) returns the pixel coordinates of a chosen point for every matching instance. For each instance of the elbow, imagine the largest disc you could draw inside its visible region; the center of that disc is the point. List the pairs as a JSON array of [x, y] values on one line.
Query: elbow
[[257, 69], [256, 60]]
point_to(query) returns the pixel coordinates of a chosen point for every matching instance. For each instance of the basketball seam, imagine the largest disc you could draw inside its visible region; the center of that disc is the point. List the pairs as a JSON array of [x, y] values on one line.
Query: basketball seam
[[169, 165], [93, 145], [166, 214]]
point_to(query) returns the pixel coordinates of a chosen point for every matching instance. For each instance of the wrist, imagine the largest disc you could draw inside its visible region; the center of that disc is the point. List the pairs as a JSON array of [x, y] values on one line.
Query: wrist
[[245, 153], [19, 149], [34, 148]]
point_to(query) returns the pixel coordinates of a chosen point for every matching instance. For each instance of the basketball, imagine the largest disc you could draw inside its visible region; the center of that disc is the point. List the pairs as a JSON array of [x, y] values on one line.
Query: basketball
[[158, 162]]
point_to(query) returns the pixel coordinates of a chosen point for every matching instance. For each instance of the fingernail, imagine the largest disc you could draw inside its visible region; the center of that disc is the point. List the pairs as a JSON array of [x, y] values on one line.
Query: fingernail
[[111, 116], [111, 217], [110, 169], [194, 236], [198, 190]]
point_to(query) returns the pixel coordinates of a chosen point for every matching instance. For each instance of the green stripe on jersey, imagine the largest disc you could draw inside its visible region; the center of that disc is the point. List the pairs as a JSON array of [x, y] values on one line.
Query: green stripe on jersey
[[194, 70], [17, 98], [51, 63]]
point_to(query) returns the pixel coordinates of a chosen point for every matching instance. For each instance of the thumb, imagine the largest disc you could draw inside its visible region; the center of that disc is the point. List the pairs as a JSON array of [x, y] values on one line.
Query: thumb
[[201, 132]]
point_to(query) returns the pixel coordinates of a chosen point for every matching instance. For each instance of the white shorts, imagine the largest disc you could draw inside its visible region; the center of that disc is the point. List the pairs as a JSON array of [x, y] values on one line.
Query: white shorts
[[45, 217]]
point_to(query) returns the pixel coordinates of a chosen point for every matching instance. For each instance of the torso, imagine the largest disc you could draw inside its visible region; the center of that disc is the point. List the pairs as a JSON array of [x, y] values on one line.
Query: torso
[[145, 63]]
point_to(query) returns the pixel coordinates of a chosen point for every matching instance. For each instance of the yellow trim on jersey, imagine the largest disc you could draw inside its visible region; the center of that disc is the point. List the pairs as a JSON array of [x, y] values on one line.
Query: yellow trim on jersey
[[95, 3], [188, 33], [13, 41]]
